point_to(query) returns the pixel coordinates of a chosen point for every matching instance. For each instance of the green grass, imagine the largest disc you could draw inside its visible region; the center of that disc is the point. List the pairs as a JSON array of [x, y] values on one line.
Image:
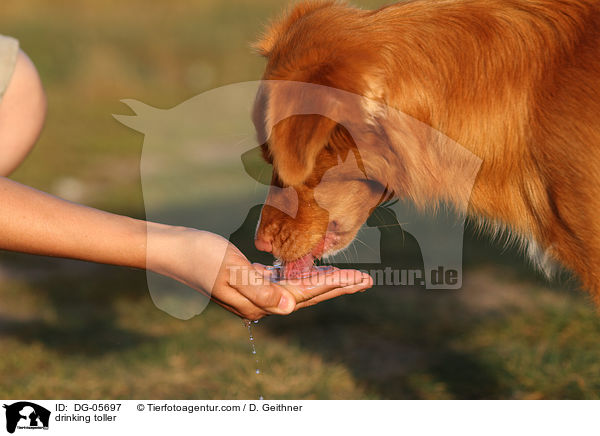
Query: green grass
[[75, 330]]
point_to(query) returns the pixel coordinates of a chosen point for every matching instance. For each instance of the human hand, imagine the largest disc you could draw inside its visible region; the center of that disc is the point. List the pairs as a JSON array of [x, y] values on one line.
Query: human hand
[[212, 265]]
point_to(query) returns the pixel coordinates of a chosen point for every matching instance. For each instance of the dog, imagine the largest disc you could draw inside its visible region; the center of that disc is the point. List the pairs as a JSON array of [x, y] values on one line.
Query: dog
[[514, 82]]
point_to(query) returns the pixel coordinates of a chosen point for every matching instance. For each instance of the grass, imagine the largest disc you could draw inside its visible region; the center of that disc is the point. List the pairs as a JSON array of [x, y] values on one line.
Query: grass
[[75, 330]]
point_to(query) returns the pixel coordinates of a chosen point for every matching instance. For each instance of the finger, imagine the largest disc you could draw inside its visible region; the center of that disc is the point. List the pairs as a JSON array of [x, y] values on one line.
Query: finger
[[324, 281], [236, 303], [272, 298], [226, 293], [228, 307], [263, 269], [261, 292], [318, 284], [352, 289]]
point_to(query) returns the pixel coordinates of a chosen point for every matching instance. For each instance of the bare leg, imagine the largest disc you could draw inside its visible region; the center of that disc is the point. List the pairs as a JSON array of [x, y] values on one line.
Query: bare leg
[[22, 115]]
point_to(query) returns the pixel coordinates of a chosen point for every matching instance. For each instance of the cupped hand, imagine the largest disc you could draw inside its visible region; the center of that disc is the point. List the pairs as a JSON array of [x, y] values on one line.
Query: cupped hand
[[212, 265]]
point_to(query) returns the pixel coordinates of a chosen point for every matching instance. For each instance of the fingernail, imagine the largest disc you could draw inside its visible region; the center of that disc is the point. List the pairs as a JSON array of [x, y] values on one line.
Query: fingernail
[[283, 303]]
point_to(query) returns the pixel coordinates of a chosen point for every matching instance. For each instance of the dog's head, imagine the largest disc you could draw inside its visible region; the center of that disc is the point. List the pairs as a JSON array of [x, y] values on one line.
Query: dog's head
[[351, 112], [327, 160]]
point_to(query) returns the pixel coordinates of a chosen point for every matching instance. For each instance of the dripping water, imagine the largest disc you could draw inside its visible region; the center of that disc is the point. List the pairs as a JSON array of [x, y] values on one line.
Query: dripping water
[[248, 325]]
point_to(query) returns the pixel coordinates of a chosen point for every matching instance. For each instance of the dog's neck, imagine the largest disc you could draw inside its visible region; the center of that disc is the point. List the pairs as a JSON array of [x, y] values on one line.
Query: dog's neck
[[473, 90]]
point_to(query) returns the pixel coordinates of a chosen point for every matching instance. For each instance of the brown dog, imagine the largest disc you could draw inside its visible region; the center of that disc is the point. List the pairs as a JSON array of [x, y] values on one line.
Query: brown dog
[[515, 82]]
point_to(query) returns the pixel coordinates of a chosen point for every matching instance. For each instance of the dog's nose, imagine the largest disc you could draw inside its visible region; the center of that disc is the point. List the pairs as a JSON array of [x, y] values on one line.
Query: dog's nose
[[263, 244]]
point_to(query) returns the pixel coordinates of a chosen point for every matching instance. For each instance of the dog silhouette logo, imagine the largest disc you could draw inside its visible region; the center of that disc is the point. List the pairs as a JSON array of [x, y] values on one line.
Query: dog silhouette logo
[[26, 415], [210, 149]]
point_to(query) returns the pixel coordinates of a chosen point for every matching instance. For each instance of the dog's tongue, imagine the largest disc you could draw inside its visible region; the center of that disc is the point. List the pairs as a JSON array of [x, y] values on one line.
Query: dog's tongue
[[299, 268], [304, 267]]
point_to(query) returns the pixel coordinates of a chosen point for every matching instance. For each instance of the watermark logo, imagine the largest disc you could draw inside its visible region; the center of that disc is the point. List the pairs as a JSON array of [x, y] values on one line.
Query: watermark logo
[[25, 415], [388, 276], [202, 167]]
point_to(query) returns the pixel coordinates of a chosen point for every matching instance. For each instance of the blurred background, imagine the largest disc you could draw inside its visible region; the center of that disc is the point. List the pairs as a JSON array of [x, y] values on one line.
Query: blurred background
[[82, 331]]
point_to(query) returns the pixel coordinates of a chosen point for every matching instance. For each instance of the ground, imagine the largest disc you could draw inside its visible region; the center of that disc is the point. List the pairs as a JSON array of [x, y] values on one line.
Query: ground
[[75, 330]]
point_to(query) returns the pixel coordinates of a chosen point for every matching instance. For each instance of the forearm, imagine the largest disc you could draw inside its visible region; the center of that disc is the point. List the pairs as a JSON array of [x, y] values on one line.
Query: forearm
[[38, 223]]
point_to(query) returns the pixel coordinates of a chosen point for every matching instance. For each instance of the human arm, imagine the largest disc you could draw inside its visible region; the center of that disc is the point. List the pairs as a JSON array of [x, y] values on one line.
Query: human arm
[[35, 222]]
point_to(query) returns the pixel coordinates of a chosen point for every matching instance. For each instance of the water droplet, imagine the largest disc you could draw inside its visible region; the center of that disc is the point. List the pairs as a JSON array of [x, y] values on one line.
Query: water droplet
[[248, 324]]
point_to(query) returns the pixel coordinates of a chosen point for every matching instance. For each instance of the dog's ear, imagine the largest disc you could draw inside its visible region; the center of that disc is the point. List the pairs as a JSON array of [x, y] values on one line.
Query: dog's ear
[[279, 27], [300, 119], [296, 142]]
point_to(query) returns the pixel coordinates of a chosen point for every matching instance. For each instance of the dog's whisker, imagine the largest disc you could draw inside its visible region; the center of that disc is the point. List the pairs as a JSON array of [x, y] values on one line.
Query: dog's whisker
[[391, 225], [365, 244]]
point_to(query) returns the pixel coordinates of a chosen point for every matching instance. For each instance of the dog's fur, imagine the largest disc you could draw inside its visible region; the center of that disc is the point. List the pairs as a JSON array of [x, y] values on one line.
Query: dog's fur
[[516, 82]]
